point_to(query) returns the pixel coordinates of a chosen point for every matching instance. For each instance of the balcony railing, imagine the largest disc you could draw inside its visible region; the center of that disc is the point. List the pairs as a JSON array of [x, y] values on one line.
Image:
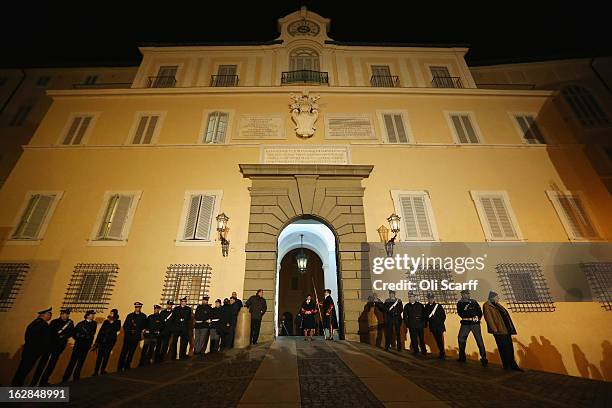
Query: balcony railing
[[162, 82], [305, 76], [446, 82], [385, 81], [224, 80]]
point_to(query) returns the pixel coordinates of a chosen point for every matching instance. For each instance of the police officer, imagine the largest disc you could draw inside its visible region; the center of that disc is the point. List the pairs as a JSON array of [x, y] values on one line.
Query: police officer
[[415, 319], [60, 330], [166, 334], [152, 334], [203, 318], [181, 319], [133, 326], [435, 316], [392, 309], [36, 344], [84, 333], [470, 312]]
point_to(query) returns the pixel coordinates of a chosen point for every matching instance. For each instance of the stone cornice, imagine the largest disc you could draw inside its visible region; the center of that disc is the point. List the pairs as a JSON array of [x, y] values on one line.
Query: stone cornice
[[274, 170]]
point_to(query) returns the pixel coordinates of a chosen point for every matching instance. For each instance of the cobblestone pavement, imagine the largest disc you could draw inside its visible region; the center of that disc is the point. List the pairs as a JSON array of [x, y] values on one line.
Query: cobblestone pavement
[[470, 385]]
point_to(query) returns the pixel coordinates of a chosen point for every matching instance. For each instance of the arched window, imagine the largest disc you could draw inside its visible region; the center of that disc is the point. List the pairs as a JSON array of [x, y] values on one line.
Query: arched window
[[585, 106], [303, 59]]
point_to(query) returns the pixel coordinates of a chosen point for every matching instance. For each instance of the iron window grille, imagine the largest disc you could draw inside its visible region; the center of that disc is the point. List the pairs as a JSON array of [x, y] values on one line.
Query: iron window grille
[[12, 276], [446, 298], [91, 287], [191, 280], [525, 287], [599, 275]]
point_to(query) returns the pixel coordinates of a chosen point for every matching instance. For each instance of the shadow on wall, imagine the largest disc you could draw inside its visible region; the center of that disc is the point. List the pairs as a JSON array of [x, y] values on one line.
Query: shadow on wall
[[539, 355]]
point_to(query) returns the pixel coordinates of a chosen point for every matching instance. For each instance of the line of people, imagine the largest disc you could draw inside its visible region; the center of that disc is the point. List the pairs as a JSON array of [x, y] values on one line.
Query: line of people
[[327, 310], [416, 317], [46, 339]]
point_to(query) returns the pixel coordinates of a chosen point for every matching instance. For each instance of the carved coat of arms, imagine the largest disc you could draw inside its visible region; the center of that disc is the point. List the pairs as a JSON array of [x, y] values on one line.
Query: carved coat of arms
[[305, 112]]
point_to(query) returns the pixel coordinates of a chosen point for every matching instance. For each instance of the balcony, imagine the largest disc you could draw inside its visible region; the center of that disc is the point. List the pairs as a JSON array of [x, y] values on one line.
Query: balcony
[[224, 80], [446, 82], [161, 82], [304, 76], [385, 81]]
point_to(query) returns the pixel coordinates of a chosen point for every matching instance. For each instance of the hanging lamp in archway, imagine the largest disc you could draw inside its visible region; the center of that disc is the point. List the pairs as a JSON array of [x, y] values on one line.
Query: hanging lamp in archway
[[301, 258]]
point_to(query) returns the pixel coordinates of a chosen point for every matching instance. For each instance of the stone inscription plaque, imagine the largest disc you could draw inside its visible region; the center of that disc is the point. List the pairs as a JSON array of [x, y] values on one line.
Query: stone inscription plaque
[[315, 154], [349, 127], [261, 127]]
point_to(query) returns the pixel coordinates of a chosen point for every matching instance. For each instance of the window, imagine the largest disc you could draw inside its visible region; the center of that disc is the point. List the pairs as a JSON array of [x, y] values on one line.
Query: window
[[441, 78], [446, 298], [20, 115], [599, 275], [216, 128], [11, 278], [496, 216], [166, 77], [226, 76], [35, 216], [463, 128], [116, 216], [586, 108], [524, 287], [91, 80], [90, 287], [574, 215], [381, 77], [191, 280], [414, 208], [146, 128], [197, 220], [77, 130], [394, 127], [43, 80], [529, 129], [303, 59]]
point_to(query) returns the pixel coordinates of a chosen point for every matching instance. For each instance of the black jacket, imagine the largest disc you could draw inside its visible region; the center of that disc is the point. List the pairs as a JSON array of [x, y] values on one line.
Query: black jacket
[[181, 317], [414, 315], [166, 316], [134, 324], [60, 332], [84, 333], [469, 311], [227, 317], [216, 319], [155, 325], [436, 321], [107, 336], [203, 313], [390, 311], [257, 306], [37, 336]]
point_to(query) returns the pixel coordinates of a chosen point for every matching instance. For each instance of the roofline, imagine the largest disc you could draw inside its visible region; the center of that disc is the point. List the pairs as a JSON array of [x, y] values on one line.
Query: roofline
[[207, 44], [526, 60], [75, 64], [396, 44]]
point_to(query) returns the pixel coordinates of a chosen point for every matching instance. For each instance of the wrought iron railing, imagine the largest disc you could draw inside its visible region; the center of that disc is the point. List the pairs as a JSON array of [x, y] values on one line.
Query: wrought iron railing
[[224, 80], [162, 81], [305, 76], [446, 82], [385, 81]]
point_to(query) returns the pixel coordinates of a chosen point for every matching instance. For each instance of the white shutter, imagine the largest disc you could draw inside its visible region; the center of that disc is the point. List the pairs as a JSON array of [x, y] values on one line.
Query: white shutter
[[395, 128], [497, 217], [464, 128], [74, 126], [34, 216], [576, 220], [120, 216], [78, 138], [415, 213], [529, 128], [401, 132], [390, 127], [207, 206], [217, 127], [150, 129], [192, 217], [142, 125]]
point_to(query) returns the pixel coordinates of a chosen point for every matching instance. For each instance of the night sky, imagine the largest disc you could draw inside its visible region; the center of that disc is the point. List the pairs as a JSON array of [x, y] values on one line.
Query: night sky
[[106, 33]]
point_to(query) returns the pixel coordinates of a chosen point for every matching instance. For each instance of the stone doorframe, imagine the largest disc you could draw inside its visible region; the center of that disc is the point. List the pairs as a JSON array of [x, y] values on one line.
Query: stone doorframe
[[283, 193]]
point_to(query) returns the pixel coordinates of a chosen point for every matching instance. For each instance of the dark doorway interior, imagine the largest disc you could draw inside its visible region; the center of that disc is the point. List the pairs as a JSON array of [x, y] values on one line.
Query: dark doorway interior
[[293, 287]]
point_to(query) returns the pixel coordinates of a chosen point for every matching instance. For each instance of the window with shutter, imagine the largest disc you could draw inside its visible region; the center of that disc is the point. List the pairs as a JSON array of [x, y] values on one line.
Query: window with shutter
[[199, 218], [529, 129], [145, 129], [574, 215], [496, 216], [116, 218], [216, 128], [77, 129], [35, 216], [166, 77], [394, 128], [586, 108], [464, 129], [414, 208]]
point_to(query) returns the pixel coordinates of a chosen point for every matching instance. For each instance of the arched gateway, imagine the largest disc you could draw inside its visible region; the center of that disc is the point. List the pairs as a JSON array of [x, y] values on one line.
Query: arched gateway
[[282, 194]]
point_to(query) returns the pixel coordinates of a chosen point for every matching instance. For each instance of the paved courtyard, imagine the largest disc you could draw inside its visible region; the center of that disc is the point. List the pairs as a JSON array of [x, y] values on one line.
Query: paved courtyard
[[292, 373]]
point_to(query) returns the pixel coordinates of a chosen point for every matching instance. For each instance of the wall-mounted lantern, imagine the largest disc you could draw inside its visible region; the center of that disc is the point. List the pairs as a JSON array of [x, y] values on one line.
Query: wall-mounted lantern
[[383, 232], [223, 229]]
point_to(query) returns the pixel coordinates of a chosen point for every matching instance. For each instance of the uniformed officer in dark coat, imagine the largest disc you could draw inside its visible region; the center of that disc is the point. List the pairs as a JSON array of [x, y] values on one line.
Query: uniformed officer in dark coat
[[84, 333], [392, 309], [36, 345], [215, 327], [435, 315], [415, 319], [330, 320], [133, 326], [106, 339], [60, 330], [166, 334], [227, 324], [237, 305], [203, 316], [181, 323], [152, 333], [470, 312]]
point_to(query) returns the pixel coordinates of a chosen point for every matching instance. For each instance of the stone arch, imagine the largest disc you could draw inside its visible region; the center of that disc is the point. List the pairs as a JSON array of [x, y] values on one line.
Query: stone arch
[[281, 193]]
